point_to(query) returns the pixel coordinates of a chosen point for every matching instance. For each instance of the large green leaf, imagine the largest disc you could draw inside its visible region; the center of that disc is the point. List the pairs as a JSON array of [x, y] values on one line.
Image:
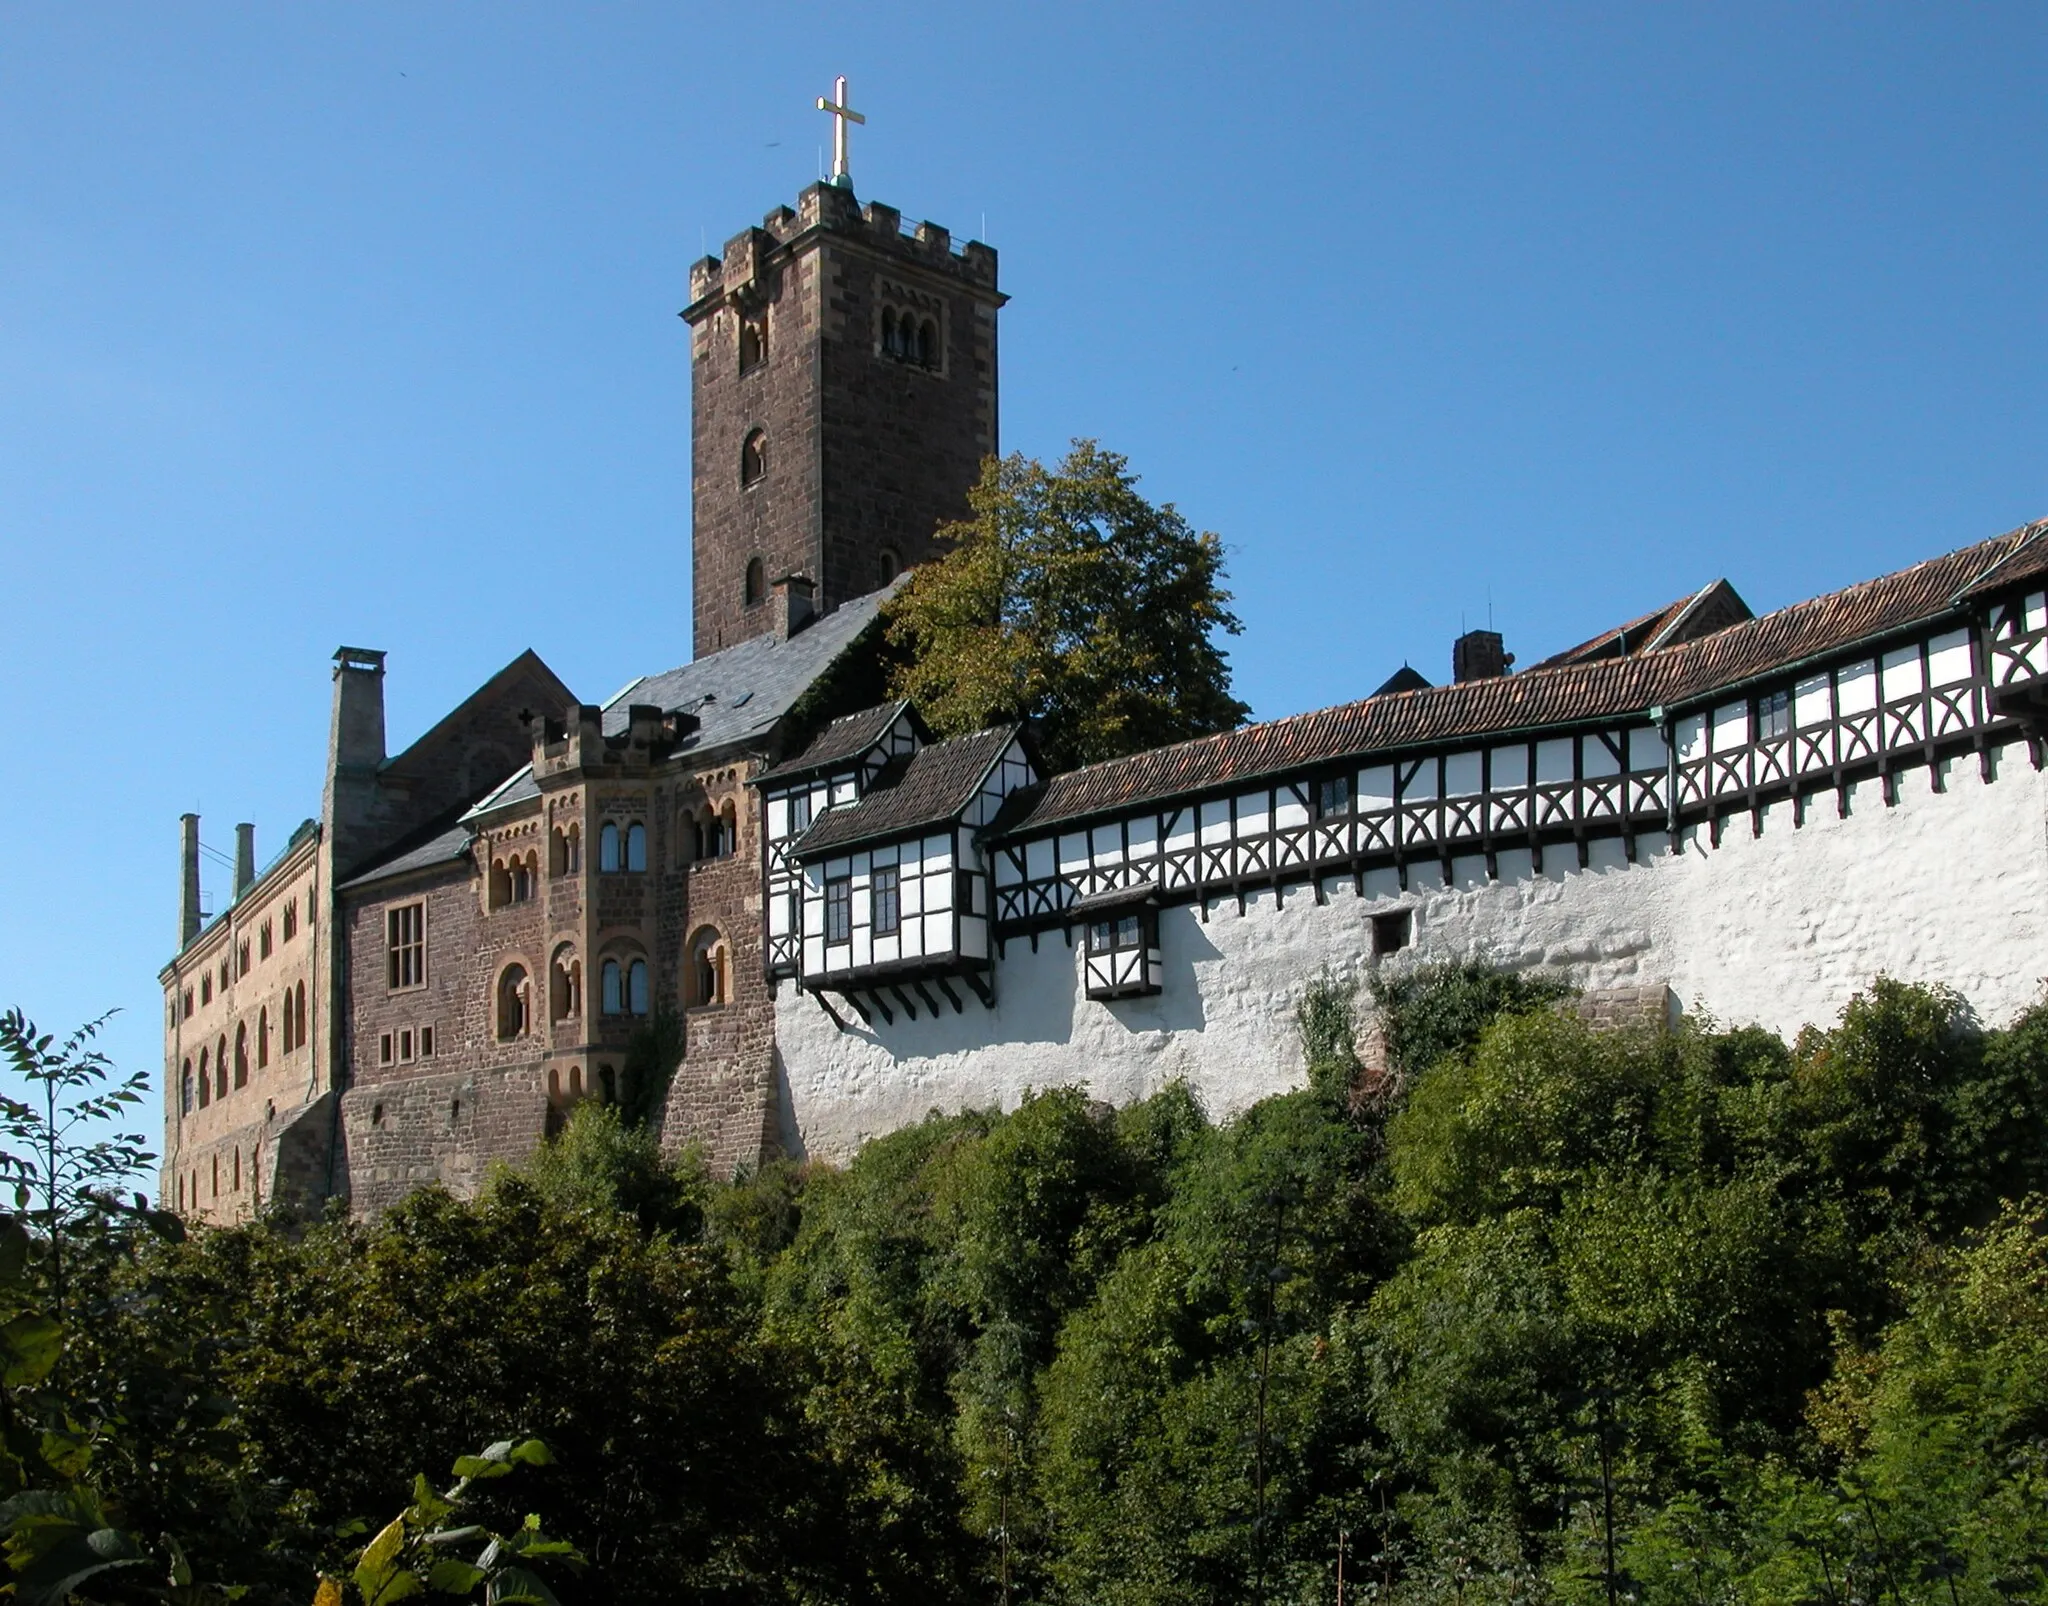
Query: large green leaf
[[30, 1345], [53, 1577], [515, 1585]]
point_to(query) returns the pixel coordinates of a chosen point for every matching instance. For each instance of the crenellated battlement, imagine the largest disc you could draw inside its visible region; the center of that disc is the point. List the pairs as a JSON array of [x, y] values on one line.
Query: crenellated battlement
[[827, 209]]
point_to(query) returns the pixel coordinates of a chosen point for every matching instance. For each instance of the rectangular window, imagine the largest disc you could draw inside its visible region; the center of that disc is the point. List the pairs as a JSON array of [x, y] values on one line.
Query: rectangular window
[[964, 898], [1333, 796], [1392, 932], [405, 1047], [799, 813], [406, 945], [384, 1049], [839, 909], [885, 903], [1773, 715], [1115, 935], [426, 1042]]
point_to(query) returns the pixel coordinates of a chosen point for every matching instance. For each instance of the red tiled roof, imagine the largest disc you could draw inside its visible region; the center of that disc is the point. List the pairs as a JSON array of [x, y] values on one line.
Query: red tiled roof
[[1601, 689]]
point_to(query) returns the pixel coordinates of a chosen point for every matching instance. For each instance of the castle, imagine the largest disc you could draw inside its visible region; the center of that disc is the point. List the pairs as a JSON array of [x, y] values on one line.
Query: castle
[[841, 923]]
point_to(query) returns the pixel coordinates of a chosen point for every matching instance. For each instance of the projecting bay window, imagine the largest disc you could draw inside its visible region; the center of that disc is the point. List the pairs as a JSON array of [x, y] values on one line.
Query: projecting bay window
[[838, 909], [405, 941], [1123, 958]]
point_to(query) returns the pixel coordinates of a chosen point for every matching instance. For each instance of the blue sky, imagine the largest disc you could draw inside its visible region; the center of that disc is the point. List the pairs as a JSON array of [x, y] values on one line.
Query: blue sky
[[331, 323]]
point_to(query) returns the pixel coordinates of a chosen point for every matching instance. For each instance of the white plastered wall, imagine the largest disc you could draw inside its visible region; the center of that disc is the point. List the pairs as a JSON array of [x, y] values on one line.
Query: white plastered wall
[[1779, 929]]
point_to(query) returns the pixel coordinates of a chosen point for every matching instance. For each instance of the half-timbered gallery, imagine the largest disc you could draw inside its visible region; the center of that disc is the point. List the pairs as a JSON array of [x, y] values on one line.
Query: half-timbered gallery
[[834, 922]]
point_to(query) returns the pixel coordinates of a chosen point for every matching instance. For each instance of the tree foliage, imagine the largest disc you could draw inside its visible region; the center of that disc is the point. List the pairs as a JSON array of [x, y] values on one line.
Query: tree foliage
[[1762, 1321], [1071, 601]]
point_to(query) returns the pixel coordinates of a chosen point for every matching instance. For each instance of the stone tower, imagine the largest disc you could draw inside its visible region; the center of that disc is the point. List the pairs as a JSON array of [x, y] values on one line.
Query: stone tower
[[843, 396]]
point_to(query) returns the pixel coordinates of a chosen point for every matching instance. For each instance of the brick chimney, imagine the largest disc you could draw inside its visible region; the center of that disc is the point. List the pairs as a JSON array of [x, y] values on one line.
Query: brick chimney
[[1477, 655], [245, 859], [188, 885], [793, 605]]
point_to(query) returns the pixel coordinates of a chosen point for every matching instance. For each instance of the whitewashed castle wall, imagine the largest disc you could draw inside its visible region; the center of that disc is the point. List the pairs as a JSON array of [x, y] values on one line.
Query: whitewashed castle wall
[[1779, 929]]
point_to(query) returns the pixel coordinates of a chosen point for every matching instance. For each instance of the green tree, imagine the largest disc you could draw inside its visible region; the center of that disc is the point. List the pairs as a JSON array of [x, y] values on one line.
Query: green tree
[[1070, 600]]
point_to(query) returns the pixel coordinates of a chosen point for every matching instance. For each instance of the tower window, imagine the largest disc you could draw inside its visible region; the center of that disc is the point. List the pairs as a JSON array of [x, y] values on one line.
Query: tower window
[[888, 564], [909, 337], [754, 457], [636, 846], [756, 591], [753, 343]]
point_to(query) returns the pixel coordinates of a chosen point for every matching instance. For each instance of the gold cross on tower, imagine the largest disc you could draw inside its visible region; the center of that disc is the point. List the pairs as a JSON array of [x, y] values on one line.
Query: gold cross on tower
[[842, 114]]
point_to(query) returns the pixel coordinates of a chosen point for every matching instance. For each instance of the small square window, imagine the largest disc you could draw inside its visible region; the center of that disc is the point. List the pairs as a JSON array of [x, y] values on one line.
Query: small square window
[[1392, 932], [384, 1049], [1773, 715]]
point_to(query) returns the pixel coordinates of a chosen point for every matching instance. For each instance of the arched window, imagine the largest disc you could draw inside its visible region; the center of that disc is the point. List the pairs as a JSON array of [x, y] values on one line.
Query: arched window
[[889, 330], [262, 1037], [753, 457], [513, 1004], [728, 831], [575, 1081], [220, 1067], [501, 884], [185, 1090], [565, 851], [706, 979], [888, 564], [636, 987], [612, 995], [205, 1080], [756, 590], [928, 344], [242, 1055], [636, 846], [565, 985], [608, 847], [753, 343], [554, 1082]]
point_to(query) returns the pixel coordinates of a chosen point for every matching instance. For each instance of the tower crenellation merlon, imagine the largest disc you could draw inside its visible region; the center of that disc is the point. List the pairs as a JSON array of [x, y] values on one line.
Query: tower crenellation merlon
[[828, 209]]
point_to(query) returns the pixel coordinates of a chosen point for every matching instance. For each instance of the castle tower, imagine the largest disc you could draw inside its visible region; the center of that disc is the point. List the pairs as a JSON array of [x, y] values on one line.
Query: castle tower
[[843, 397]]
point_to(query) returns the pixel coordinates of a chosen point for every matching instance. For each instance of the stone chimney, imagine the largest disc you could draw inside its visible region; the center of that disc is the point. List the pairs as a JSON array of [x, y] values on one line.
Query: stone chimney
[[355, 750], [793, 605], [188, 886], [245, 859], [1477, 655]]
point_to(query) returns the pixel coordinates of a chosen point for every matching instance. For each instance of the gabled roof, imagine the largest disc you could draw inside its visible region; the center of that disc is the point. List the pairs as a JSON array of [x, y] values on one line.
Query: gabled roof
[[933, 786], [1569, 692], [738, 694], [1714, 606], [844, 740]]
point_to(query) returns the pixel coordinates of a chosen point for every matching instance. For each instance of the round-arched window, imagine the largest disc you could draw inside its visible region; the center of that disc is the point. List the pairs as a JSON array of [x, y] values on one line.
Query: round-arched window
[[753, 457], [756, 591]]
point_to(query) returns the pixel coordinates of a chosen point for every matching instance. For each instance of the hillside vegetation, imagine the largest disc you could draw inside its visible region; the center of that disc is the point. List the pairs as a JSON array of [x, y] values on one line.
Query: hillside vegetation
[[1545, 1314]]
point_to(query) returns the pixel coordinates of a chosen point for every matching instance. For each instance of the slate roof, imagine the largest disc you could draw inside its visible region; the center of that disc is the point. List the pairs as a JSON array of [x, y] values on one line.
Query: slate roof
[[738, 694], [844, 739], [933, 786], [1601, 689], [442, 845]]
